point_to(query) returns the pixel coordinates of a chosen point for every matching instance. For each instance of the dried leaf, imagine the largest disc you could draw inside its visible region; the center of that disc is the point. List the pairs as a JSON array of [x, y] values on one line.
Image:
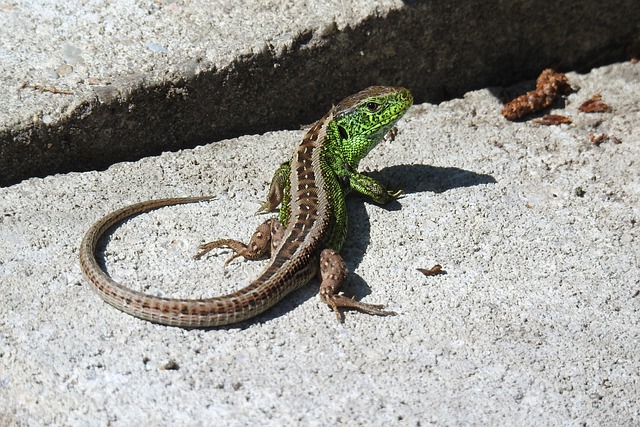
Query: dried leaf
[[598, 139], [553, 119], [436, 269], [595, 104], [549, 86]]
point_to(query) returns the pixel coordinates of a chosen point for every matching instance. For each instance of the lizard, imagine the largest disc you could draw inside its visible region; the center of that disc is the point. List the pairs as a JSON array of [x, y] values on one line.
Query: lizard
[[303, 241]]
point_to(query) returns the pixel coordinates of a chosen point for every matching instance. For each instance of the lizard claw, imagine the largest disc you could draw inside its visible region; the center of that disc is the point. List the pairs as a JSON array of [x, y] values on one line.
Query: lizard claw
[[394, 194]]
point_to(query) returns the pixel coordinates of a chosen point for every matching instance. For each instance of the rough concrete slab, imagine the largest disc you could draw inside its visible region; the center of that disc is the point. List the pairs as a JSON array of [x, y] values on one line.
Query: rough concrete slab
[[145, 77], [536, 321]]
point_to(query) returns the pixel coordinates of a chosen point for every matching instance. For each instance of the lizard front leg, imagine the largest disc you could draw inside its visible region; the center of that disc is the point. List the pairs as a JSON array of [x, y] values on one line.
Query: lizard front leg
[[266, 237], [278, 190], [333, 273], [372, 188]]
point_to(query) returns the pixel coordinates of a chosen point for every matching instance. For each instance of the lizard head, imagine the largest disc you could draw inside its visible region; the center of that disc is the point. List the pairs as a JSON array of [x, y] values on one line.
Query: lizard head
[[361, 121]]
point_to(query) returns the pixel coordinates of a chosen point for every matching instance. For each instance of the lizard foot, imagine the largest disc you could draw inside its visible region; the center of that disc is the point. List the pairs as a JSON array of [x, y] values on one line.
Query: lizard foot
[[340, 301], [239, 248], [333, 273], [259, 244]]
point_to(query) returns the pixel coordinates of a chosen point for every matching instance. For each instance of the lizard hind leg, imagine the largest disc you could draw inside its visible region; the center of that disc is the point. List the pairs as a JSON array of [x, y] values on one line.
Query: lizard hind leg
[[333, 273], [261, 243]]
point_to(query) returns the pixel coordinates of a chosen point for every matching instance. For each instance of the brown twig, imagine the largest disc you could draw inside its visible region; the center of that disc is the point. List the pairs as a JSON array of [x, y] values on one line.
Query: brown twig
[[44, 89]]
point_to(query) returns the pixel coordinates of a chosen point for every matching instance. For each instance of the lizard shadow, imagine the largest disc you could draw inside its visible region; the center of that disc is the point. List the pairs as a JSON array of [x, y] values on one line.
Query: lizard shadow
[[411, 179], [420, 178]]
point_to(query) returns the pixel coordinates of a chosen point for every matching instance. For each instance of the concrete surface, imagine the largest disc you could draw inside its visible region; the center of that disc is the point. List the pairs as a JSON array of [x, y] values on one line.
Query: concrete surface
[[146, 77], [536, 321]]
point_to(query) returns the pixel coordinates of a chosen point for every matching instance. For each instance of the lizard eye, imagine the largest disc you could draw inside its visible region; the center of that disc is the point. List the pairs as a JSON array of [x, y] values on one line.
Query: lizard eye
[[372, 106], [343, 132]]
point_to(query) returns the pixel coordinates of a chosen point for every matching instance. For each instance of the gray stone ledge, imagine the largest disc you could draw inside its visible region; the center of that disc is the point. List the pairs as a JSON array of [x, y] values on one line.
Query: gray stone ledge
[[264, 75]]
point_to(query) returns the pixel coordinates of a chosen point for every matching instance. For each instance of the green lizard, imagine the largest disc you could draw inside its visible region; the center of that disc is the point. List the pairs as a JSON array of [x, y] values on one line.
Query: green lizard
[[305, 239]]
